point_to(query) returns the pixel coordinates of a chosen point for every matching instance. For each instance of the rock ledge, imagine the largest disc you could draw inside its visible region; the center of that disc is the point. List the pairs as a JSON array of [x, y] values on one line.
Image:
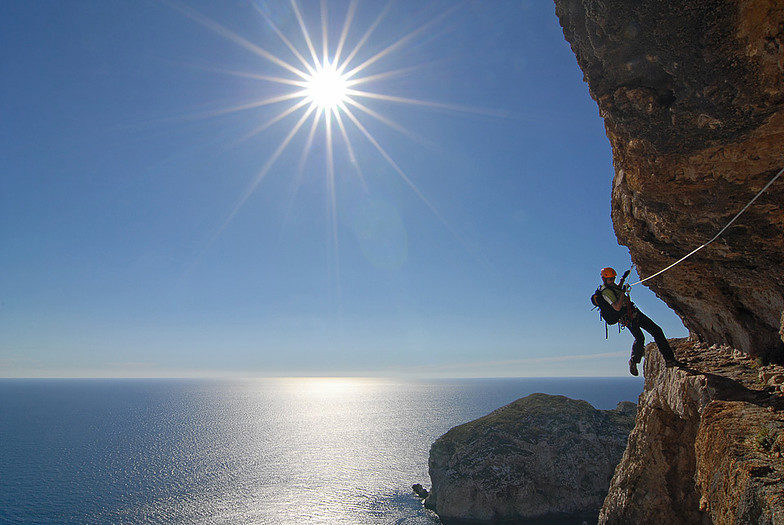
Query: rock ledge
[[707, 444]]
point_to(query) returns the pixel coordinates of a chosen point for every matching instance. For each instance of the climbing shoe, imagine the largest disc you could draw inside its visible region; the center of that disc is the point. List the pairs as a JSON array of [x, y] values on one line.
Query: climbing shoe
[[633, 367]]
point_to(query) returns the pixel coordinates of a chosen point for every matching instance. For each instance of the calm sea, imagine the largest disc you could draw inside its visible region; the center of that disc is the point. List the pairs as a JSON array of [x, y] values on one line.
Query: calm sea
[[261, 451]]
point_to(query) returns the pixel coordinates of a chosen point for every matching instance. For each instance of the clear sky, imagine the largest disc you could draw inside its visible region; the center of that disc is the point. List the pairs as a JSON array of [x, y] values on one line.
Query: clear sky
[[132, 244]]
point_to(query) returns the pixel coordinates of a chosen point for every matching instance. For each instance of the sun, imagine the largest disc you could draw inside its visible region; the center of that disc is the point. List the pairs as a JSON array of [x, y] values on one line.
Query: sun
[[331, 89], [326, 87]]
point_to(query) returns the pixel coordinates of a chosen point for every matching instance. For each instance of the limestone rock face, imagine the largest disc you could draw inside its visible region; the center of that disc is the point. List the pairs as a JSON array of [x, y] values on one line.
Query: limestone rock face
[[692, 96], [738, 481], [781, 330], [707, 444], [540, 456]]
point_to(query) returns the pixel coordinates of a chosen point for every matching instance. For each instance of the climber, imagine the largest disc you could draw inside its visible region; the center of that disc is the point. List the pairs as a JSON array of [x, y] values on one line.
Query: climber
[[624, 311]]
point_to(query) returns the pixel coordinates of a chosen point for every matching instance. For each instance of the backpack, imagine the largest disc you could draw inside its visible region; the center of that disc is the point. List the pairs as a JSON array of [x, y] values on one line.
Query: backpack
[[608, 313]]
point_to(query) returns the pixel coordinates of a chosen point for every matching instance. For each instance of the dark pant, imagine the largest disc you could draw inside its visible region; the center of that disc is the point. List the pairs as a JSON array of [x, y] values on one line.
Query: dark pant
[[638, 348]]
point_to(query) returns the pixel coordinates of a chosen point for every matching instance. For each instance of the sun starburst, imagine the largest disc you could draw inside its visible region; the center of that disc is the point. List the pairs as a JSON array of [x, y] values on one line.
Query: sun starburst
[[327, 89]]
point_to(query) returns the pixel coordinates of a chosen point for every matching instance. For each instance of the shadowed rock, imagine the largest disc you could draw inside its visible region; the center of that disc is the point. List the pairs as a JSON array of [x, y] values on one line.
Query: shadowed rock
[[420, 491]]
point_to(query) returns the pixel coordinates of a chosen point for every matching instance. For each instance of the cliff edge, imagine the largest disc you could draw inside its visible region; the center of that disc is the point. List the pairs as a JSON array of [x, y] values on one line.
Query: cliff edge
[[692, 96], [707, 443]]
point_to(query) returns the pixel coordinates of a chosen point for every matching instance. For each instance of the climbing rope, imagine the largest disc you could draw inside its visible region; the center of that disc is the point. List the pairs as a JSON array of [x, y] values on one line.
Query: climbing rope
[[676, 263]]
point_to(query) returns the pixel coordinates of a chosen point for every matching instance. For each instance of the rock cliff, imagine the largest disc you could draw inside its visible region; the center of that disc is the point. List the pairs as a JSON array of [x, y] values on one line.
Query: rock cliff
[[707, 444], [541, 456], [692, 96]]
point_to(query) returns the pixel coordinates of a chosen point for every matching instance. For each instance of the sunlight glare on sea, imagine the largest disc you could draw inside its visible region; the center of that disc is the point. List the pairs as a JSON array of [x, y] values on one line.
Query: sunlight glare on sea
[[277, 451]]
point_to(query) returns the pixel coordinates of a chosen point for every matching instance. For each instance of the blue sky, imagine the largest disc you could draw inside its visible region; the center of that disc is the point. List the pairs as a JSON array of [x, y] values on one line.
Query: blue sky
[[120, 174]]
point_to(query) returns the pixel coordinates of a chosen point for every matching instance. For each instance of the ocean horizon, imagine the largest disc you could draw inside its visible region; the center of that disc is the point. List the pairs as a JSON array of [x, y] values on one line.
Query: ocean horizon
[[275, 450]]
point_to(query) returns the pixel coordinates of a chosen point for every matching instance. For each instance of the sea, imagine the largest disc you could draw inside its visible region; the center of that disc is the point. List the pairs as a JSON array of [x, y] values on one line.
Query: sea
[[267, 451]]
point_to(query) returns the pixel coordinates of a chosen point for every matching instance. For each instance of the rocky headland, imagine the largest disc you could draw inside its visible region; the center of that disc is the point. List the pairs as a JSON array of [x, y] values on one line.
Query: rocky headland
[[541, 457]]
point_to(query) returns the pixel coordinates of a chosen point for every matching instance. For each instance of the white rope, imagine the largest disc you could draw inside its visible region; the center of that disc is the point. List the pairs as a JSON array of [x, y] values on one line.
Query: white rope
[[715, 236]]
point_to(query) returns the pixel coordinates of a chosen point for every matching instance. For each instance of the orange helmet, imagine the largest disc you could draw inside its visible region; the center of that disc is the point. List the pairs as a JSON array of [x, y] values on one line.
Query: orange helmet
[[608, 273]]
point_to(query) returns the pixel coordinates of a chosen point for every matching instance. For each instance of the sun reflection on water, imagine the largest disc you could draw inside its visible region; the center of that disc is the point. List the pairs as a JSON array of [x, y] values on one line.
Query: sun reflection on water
[[282, 451], [339, 446]]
